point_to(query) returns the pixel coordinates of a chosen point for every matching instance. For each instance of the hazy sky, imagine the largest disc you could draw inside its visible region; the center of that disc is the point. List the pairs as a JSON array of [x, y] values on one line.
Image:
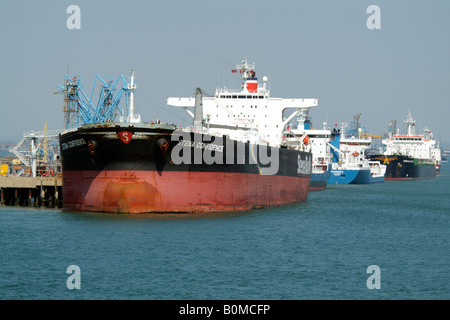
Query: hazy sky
[[308, 49]]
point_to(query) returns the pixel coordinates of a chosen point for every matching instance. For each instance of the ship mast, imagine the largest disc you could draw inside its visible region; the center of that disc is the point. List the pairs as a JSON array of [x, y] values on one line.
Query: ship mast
[[411, 123], [131, 87], [249, 81]]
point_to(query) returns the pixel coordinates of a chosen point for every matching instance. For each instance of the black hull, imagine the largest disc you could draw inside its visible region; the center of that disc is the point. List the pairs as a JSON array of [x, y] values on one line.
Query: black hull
[[405, 168], [137, 169], [151, 149]]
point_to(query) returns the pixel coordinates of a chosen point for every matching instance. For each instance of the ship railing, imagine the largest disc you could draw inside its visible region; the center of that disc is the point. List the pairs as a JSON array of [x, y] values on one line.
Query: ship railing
[[68, 130], [41, 134], [321, 160], [234, 94]]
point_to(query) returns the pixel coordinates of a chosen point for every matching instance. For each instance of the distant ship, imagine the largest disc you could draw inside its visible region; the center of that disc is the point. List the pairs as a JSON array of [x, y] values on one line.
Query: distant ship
[[318, 140], [350, 165], [230, 159], [444, 156], [409, 156]]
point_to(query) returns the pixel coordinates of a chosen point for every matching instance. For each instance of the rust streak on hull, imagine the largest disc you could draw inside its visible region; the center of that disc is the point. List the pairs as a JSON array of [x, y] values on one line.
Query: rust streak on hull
[[187, 192]]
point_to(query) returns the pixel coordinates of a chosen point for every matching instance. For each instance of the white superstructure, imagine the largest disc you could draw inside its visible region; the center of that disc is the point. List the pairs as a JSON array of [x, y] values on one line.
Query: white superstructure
[[317, 140], [248, 114], [352, 151], [352, 156], [411, 144]]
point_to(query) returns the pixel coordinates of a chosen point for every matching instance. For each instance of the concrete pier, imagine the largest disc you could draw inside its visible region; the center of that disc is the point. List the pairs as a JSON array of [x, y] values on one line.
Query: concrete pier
[[28, 191]]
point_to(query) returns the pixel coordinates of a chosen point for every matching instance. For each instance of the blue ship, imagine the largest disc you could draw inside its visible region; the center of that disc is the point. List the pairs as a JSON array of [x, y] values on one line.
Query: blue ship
[[349, 165], [350, 176]]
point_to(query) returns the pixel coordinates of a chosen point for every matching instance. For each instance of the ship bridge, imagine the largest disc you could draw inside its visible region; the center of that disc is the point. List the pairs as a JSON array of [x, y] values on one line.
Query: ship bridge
[[411, 144], [248, 114]]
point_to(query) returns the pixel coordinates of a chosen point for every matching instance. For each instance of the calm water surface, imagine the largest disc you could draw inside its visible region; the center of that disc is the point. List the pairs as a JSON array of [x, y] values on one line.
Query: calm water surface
[[316, 250]]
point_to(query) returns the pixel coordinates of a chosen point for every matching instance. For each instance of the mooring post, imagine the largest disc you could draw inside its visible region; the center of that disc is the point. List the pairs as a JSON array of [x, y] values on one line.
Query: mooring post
[[36, 197], [41, 195], [55, 195], [16, 198], [29, 197]]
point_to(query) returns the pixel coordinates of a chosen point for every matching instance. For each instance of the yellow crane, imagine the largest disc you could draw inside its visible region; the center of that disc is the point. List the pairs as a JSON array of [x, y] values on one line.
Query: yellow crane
[[44, 160], [367, 135]]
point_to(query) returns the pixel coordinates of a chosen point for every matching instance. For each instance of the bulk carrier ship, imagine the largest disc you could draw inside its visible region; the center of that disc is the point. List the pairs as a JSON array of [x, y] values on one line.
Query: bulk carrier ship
[[230, 159]]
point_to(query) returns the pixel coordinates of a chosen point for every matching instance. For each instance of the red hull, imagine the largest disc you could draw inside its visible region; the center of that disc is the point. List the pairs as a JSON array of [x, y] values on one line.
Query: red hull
[[119, 191]]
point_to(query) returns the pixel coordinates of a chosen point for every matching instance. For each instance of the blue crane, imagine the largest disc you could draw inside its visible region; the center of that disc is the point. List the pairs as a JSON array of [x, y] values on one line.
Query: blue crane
[[80, 109]]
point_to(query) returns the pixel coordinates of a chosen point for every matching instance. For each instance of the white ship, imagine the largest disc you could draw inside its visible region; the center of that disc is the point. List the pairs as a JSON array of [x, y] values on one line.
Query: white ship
[[410, 155], [318, 141]]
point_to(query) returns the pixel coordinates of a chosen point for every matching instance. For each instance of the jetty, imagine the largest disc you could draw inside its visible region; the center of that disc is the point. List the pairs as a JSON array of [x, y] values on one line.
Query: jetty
[[31, 191]]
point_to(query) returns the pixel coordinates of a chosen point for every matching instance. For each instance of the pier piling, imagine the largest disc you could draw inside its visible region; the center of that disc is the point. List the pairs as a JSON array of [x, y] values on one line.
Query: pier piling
[[30, 191]]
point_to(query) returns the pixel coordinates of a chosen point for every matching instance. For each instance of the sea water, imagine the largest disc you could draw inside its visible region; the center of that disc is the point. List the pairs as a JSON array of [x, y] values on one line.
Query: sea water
[[322, 249]]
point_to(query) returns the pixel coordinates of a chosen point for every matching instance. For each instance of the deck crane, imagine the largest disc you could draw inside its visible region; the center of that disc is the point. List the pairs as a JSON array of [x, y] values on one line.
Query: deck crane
[[358, 130]]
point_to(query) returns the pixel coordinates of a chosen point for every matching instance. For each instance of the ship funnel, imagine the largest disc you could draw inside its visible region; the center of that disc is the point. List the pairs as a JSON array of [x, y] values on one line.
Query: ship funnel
[[335, 144]]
